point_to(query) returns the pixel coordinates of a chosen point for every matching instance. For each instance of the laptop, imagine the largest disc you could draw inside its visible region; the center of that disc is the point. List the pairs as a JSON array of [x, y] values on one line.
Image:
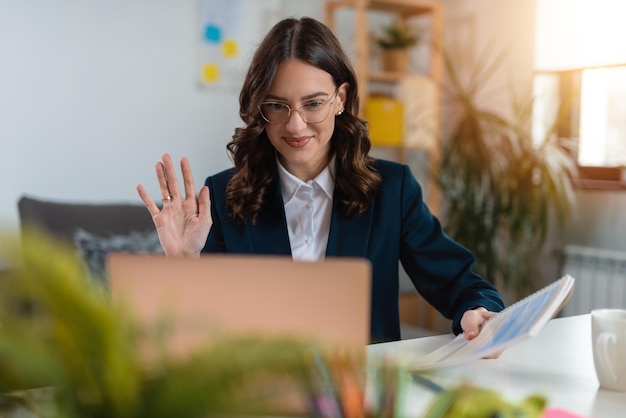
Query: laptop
[[228, 295]]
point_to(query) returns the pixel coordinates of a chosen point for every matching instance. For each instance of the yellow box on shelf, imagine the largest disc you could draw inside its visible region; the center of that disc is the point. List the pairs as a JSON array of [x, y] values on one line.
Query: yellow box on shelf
[[385, 120]]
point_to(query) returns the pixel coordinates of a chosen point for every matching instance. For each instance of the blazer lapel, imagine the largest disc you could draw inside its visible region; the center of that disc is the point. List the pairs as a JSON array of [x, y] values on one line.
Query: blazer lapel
[[349, 237], [269, 235]]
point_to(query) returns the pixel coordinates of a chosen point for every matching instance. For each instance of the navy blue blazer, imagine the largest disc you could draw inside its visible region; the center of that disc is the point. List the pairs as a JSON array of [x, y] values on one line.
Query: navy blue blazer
[[397, 226]]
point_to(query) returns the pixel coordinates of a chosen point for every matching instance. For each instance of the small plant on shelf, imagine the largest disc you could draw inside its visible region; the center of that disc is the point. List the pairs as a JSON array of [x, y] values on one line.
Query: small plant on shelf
[[398, 34], [395, 40]]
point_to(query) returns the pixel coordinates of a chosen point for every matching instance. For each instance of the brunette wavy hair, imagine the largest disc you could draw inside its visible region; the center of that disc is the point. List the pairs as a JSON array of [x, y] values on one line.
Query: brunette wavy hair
[[252, 153]]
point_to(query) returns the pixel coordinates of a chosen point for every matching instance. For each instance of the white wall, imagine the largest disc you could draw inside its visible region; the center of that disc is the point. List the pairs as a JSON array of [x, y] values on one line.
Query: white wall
[[93, 92], [478, 30]]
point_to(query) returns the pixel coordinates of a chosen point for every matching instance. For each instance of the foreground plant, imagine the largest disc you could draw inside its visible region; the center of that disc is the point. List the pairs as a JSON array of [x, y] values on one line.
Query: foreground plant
[[67, 351], [467, 401]]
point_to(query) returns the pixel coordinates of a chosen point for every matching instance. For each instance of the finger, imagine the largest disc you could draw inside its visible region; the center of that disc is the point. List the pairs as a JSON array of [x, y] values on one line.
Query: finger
[[471, 322], [204, 205], [486, 316], [162, 178], [171, 180], [145, 197], [469, 330], [470, 335], [495, 356], [188, 181]]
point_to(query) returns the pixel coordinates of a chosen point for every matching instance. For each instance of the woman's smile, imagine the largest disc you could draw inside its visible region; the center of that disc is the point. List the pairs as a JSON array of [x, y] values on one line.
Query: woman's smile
[[298, 142]]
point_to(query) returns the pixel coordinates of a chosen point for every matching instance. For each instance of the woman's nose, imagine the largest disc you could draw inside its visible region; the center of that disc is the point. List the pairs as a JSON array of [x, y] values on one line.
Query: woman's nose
[[296, 121]]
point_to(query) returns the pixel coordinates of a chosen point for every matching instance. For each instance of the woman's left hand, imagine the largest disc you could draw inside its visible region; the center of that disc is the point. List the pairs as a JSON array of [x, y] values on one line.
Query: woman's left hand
[[472, 322]]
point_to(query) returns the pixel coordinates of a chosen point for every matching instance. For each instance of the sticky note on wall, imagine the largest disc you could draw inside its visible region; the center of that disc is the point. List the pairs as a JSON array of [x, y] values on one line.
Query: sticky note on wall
[[385, 120], [230, 48], [210, 72]]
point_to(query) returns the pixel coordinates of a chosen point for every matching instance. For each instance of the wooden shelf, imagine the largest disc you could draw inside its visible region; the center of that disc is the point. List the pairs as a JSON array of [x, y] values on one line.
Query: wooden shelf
[[363, 50], [386, 77], [405, 7]]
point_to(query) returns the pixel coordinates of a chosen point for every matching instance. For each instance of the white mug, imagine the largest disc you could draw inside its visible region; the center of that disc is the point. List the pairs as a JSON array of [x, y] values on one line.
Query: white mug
[[608, 332]]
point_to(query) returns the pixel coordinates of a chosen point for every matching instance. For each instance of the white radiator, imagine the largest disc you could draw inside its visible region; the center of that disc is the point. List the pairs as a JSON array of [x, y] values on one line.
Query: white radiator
[[600, 279]]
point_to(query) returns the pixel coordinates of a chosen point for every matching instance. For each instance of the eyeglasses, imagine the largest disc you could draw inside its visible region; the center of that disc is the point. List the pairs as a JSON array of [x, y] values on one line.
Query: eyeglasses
[[314, 111]]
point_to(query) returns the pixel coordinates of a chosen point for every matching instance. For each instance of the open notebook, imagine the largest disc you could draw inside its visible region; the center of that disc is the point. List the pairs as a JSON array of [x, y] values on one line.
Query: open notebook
[[523, 319], [328, 301]]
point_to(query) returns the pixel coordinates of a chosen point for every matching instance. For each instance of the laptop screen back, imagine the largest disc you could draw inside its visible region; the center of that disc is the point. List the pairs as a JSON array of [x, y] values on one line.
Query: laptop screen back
[[215, 295]]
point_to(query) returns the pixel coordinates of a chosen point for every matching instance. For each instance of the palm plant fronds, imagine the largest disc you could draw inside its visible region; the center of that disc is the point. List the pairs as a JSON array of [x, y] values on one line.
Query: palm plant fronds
[[502, 190]]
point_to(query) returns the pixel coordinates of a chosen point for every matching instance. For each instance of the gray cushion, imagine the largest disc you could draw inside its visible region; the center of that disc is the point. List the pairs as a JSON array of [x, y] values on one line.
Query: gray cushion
[[63, 219], [94, 249], [93, 229]]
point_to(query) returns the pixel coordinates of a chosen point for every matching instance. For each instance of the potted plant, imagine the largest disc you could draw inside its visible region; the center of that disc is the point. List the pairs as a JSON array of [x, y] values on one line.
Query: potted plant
[[501, 190], [395, 42]]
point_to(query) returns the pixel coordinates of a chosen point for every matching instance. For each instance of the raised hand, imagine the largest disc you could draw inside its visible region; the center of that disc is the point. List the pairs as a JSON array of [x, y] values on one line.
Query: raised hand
[[183, 224]]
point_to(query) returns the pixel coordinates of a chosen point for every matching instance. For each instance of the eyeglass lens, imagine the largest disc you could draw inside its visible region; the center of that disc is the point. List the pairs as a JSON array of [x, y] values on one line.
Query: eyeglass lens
[[314, 111]]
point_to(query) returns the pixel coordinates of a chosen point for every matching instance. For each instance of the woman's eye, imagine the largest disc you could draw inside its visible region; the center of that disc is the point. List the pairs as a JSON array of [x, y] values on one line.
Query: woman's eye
[[277, 107], [318, 104]]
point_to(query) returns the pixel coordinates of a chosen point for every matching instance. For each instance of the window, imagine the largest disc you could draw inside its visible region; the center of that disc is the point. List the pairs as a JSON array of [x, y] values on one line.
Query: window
[[603, 117], [581, 63], [595, 120]]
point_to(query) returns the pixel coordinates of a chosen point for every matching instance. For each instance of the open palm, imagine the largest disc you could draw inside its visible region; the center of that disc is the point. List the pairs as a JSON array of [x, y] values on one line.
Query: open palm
[[183, 223]]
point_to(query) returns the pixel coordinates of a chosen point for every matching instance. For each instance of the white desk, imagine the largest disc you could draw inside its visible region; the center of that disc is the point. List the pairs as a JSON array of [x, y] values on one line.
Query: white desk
[[557, 364]]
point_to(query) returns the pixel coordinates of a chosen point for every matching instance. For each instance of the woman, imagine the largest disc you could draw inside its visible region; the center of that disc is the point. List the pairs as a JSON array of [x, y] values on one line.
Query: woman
[[303, 185]]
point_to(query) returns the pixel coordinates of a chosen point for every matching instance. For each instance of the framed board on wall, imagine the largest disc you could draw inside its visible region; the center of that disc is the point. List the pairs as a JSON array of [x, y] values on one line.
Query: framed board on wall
[[219, 39]]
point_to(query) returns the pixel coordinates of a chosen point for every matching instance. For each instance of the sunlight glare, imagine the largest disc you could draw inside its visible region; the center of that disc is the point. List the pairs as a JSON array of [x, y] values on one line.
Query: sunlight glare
[[573, 34]]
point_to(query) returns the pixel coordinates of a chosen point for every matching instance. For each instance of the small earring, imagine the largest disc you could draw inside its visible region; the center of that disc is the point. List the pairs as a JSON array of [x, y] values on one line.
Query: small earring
[[341, 111]]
